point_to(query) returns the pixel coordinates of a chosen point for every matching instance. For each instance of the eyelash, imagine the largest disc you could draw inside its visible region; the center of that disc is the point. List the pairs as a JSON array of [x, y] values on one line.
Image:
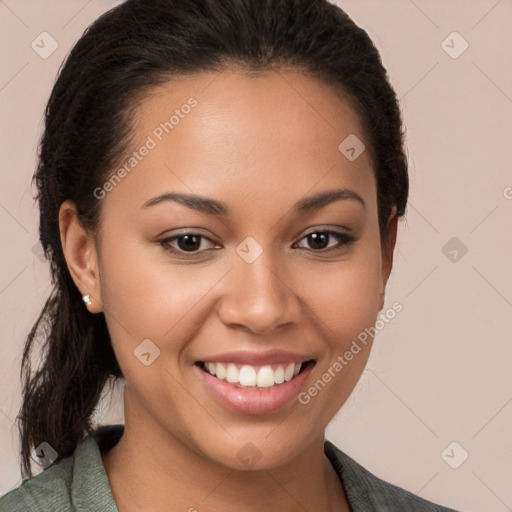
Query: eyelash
[[344, 240]]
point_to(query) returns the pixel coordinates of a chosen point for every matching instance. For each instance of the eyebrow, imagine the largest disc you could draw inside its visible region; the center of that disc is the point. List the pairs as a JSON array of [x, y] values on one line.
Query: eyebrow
[[213, 207]]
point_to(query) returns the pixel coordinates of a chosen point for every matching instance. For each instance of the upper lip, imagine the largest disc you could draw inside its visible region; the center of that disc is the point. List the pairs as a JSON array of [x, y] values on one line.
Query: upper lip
[[257, 358]]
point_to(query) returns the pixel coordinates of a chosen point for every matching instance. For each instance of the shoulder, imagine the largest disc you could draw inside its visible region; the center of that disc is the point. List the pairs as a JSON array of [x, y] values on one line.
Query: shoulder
[[365, 491], [47, 491], [76, 483]]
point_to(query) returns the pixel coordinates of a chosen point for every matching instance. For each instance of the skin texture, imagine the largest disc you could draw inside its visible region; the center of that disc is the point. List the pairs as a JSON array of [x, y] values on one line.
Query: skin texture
[[259, 144]]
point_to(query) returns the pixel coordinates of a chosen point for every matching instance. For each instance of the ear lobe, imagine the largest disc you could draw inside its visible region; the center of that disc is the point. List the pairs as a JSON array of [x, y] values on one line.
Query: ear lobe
[[81, 256], [387, 252]]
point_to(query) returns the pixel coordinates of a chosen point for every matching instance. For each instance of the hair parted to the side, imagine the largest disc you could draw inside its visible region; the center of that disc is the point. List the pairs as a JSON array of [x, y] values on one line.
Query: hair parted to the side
[[128, 50]]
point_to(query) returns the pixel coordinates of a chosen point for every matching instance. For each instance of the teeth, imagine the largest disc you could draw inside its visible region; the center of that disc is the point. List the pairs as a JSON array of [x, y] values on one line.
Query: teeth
[[219, 370], [279, 375], [288, 373], [265, 377], [232, 373], [246, 375]]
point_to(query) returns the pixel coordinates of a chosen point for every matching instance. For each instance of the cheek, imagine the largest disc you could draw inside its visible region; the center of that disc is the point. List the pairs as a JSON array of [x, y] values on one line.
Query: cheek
[[346, 304], [346, 297], [149, 297]]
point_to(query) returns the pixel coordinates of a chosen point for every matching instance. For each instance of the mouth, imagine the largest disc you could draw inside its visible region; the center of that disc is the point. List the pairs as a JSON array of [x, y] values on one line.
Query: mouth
[[255, 383], [254, 389], [253, 377]]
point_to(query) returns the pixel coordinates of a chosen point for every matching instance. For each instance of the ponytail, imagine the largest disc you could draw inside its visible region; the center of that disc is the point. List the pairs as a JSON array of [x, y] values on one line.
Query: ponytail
[[59, 397]]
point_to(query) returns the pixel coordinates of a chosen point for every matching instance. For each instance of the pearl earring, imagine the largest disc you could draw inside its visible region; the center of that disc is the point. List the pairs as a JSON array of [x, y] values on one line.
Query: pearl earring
[[87, 300]]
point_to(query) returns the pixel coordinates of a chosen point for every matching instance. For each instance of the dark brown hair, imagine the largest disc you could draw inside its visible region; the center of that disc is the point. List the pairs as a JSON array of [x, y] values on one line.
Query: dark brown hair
[[128, 50]]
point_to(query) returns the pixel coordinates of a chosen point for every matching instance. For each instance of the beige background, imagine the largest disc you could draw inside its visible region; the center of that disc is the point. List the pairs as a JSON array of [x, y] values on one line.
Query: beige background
[[440, 371]]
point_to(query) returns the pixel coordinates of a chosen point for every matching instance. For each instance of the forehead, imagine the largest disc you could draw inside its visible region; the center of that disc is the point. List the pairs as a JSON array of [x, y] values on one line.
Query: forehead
[[232, 135]]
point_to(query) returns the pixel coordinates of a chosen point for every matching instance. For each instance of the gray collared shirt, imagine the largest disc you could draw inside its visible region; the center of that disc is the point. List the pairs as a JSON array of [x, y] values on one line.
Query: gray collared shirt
[[80, 484]]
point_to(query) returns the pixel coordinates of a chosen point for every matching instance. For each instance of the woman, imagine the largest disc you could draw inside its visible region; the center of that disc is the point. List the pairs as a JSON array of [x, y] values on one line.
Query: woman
[[267, 134]]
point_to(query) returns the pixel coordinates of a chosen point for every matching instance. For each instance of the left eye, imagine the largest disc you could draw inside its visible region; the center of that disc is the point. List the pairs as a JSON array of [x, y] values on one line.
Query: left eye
[[319, 240]]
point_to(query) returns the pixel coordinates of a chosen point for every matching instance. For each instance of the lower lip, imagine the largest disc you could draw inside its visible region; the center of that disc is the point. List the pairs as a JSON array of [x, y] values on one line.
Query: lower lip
[[253, 401]]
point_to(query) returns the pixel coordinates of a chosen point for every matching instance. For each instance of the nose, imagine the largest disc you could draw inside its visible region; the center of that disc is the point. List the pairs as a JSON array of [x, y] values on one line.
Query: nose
[[259, 297]]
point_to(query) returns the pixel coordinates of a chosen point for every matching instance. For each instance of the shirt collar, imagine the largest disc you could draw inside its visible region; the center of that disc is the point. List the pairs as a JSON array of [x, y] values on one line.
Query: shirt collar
[[351, 475], [90, 488]]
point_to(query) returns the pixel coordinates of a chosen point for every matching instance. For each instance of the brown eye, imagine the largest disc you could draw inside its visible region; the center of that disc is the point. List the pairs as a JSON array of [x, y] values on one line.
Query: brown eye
[[184, 243], [319, 240], [189, 242]]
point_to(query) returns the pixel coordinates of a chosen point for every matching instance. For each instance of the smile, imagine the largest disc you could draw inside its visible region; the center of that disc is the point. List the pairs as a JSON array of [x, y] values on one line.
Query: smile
[[248, 376], [254, 389]]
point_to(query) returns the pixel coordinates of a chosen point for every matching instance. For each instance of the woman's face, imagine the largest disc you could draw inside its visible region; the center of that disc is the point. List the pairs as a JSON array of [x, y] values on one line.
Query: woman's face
[[258, 286]]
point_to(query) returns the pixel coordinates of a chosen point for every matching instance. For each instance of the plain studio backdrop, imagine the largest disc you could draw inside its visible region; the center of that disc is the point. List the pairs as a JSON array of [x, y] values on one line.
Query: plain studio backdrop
[[433, 410]]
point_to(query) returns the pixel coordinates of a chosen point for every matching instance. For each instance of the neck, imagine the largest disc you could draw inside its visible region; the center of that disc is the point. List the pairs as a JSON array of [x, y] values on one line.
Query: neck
[[150, 469]]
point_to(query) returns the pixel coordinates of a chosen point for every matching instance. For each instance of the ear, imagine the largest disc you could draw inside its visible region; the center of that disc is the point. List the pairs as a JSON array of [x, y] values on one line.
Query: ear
[[388, 249], [81, 255]]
